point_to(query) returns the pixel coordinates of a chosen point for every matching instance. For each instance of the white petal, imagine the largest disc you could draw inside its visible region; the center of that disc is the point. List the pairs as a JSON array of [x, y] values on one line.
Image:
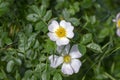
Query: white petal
[[70, 34], [118, 32], [76, 64], [69, 28], [118, 16], [52, 36], [55, 61], [67, 48], [63, 23], [67, 69], [53, 26], [74, 52], [60, 48], [66, 25], [63, 49], [62, 41]]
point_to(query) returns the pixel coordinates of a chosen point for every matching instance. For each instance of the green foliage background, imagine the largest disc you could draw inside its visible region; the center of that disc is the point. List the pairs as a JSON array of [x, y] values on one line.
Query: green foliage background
[[25, 46]]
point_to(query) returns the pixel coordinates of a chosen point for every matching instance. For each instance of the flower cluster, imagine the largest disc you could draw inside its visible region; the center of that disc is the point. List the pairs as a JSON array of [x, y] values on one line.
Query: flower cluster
[[61, 33]]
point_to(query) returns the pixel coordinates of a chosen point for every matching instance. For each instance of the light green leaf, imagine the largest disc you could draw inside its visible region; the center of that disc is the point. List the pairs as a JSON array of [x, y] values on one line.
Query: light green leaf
[[66, 14], [27, 74], [22, 43], [86, 38], [57, 76], [32, 17], [94, 47], [74, 21], [45, 75], [93, 19], [36, 9], [10, 66], [48, 15], [42, 11], [18, 61]]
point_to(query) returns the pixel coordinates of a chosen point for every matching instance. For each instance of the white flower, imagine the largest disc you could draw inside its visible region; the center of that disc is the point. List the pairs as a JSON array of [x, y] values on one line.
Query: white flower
[[68, 59], [60, 32], [117, 20]]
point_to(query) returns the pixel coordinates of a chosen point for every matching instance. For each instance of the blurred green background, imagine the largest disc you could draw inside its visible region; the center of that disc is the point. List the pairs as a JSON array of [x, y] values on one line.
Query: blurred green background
[[25, 46]]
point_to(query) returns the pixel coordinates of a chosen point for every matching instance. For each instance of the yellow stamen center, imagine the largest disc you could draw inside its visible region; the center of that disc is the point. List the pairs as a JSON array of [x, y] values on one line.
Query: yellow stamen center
[[60, 32], [67, 59], [118, 23]]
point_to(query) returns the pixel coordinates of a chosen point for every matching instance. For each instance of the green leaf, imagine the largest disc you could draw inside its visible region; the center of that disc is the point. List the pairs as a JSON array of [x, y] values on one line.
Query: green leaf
[[93, 19], [27, 74], [82, 49], [10, 66], [7, 40], [32, 17], [41, 26], [94, 47], [74, 21], [31, 40], [48, 15], [18, 61], [86, 3], [42, 11], [57, 76], [45, 75], [1, 75], [22, 43], [3, 8], [86, 38], [103, 33], [40, 67], [49, 46], [66, 14], [36, 9], [17, 76]]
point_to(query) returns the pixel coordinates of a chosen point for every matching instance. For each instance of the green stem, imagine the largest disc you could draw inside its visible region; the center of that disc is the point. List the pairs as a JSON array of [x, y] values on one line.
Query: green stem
[[108, 75]]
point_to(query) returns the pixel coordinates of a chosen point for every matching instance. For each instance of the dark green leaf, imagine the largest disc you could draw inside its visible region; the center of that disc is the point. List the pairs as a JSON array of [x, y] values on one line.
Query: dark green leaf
[[7, 40], [82, 49], [103, 33], [41, 26], [1, 75], [17, 76]]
